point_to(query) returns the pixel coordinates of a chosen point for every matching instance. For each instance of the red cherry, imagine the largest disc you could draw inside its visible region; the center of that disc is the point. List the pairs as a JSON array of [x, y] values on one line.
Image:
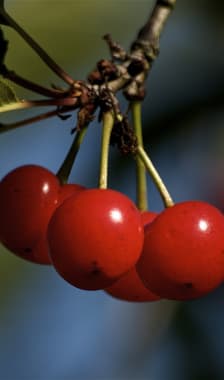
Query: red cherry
[[67, 190], [95, 237], [130, 287], [148, 217], [41, 249], [183, 253], [28, 196]]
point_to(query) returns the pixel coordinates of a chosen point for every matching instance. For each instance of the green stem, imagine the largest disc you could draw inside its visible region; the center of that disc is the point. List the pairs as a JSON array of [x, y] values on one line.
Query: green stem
[[66, 167], [141, 181], [108, 122], [167, 200]]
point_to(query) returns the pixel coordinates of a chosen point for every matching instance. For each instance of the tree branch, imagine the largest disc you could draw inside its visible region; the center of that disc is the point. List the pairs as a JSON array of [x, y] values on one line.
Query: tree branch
[[32, 86], [151, 31], [144, 51], [128, 75]]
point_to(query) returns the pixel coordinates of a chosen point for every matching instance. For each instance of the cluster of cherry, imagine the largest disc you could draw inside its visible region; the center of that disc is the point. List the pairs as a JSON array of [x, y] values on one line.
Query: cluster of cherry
[[98, 239]]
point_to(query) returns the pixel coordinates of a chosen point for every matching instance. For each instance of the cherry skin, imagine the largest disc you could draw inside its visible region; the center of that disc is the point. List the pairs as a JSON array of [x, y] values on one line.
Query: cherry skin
[[95, 237], [28, 196], [41, 247], [67, 190], [183, 252], [147, 217], [130, 287]]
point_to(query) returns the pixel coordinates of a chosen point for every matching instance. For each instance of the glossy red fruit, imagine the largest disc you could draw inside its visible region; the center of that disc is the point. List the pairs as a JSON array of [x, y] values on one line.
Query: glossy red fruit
[[28, 196], [183, 253], [41, 249], [130, 287], [95, 237], [67, 190], [148, 216]]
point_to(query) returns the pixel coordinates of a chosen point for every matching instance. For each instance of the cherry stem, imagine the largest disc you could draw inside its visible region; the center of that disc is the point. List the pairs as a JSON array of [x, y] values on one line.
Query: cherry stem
[[167, 200], [108, 122], [66, 167], [37, 48], [141, 181]]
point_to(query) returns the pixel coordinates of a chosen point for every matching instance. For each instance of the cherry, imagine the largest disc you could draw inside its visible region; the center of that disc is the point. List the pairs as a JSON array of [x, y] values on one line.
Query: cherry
[[40, 249], [95, 237], [67, 190], [28, 196], [183, 253], [148, 217], [130, 287]]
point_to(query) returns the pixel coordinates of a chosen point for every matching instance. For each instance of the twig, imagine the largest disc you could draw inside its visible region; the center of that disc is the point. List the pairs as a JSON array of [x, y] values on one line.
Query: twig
[[22, 123], [144, 50], [131, 71], [148, 37], [64, 102], [25, 83]]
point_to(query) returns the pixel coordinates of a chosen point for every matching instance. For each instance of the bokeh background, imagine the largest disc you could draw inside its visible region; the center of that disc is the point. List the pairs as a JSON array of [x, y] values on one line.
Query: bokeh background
[[50, 330]]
